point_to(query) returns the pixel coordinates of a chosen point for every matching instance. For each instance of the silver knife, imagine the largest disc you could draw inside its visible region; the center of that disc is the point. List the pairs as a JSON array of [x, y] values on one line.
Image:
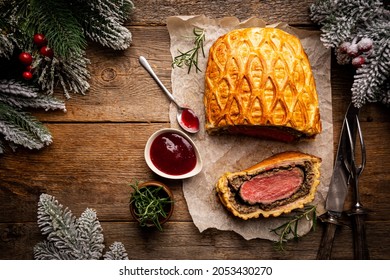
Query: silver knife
[[338, 187]]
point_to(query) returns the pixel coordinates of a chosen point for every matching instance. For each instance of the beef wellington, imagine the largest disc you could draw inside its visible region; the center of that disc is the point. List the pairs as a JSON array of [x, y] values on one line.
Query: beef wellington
[[276, 185], [259, 82]]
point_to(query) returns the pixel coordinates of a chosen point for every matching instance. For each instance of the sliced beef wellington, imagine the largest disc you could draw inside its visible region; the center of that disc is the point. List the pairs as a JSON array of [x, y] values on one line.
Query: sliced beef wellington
[[276, 185], [259, 82]]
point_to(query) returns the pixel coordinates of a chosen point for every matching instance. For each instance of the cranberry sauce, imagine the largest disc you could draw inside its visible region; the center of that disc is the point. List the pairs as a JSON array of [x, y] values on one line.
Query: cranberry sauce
[[171, 153], [189, 119]]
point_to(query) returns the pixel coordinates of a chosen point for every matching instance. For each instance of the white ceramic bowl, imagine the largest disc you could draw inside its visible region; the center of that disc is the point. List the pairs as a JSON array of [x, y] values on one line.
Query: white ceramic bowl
[[191, 173]]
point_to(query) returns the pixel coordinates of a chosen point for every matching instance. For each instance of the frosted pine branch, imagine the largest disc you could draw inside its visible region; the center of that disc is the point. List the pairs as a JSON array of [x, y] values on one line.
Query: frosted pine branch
[[89, 235], [104, 23], [42, 102], [57, 223], [71, 73], [369, 79], [359, 32], [48, 251], [68, 238], [109, 33], [6, 45], [339, 18], [74, 75], [117, 252], [18, 136], [18, 88], [21, 95], [22, 129], [117, 10]]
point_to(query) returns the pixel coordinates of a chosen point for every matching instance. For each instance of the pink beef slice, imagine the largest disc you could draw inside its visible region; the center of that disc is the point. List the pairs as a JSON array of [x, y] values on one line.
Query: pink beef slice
[[268, 187]]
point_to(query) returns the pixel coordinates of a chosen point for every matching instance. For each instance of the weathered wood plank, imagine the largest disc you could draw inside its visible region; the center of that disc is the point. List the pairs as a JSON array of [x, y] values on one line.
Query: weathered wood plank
[[183, 241], [293, 12]]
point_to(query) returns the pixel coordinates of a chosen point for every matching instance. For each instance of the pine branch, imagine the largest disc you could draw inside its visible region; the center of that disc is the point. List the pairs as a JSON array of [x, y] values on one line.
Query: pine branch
[[22, 129], [58, 224], [385, 93], [89, 235], [359, 32], [339, 18], [18, 88], [370, 78], [48, 251], [6, 45], [1, 146], [19, 136], [109, 33], [117, 252], [55, 19], [72, 74], [42, 102], [68, 238], [103, 23], [118, 10]]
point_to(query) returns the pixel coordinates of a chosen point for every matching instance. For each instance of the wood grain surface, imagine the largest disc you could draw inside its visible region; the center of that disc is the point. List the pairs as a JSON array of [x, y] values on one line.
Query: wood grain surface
[[99, 143]]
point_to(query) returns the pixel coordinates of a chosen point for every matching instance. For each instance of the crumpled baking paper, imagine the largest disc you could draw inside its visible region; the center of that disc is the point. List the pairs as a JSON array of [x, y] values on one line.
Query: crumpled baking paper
[[224, 153]]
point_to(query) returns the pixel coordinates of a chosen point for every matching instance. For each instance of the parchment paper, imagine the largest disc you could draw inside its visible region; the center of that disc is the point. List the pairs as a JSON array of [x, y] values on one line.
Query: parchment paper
[[233, 153]]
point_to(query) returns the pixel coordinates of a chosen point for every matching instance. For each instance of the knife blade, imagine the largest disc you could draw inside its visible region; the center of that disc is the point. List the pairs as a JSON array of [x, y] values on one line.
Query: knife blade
[[338, 186]]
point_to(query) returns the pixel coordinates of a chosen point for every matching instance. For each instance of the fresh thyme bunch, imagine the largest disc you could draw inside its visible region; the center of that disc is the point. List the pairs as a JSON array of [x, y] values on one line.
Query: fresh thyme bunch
[[190, 58], [151, 204]]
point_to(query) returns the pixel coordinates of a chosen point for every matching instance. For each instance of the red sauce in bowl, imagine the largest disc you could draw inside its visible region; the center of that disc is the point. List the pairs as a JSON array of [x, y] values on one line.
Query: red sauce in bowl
[[172, 154]]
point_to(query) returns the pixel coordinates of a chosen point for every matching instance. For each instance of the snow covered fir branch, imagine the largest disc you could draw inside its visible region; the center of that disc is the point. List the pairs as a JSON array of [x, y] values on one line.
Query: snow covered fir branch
[[69, 238], [359, 32], [44, 43], [18, 127]]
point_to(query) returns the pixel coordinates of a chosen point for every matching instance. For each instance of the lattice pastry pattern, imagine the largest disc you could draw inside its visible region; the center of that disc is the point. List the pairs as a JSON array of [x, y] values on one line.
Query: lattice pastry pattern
[[260, 77]]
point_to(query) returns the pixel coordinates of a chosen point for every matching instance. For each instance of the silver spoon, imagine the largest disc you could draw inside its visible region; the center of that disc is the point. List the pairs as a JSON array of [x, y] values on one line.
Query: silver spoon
[[185, 116]]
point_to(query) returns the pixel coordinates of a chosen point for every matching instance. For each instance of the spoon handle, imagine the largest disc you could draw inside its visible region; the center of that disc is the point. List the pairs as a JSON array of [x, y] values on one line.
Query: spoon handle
[[148, 68]]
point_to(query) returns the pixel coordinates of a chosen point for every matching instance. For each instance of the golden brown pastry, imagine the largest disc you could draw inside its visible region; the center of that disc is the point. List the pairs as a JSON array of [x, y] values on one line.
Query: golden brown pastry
[[276, 185], [259, 82]]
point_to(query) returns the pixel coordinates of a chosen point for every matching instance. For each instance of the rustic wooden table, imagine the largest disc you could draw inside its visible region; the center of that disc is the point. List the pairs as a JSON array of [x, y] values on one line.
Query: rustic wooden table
[[98, 150]]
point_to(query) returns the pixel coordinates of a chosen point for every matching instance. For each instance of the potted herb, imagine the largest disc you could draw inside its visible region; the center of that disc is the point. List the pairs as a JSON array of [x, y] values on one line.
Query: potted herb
[[151, 203]]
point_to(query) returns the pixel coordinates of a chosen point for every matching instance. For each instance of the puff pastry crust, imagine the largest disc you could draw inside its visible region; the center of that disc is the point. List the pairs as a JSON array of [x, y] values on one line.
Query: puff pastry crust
[[229, 184], [261, 79]]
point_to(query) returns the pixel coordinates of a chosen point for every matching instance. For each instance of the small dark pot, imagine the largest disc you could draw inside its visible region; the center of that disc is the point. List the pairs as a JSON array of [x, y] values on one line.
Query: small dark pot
[[165, 192]]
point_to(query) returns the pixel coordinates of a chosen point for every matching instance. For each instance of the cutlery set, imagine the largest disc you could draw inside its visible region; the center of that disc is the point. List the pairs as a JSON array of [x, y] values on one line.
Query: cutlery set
[[346, 172]]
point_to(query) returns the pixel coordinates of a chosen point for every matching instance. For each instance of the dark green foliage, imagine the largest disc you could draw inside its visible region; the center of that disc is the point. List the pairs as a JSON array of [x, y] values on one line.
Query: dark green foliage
[[66, 24]]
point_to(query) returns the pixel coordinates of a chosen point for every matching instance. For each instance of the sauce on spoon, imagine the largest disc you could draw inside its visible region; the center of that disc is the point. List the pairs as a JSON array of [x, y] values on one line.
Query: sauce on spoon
[[189, 119]]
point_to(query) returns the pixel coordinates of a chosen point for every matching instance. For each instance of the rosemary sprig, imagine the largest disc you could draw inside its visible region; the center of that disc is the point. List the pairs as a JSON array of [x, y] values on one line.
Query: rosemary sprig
[[289, 229], [150, 206], [190, 58]]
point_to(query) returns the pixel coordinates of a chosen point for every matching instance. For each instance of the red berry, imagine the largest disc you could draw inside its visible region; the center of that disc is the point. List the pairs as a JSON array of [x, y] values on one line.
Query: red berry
[[353, 50], [40, 40], [365, 44], [358, 61], [46, 51], [25, 58], [29, 68], [27, 75], [344, 47]]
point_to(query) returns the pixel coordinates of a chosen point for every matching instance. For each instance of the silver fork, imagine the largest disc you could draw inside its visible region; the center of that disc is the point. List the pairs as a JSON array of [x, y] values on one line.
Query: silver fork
[[357, 212]]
